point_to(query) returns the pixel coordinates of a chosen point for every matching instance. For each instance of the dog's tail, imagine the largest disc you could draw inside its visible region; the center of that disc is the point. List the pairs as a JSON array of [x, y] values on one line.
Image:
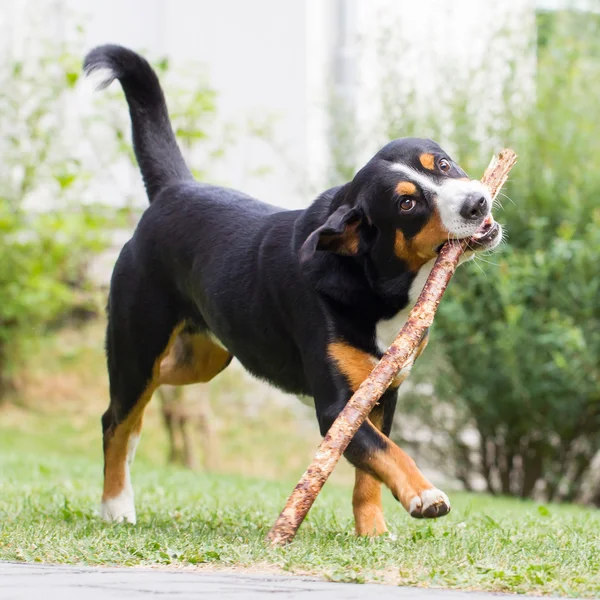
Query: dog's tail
[[156, 149]]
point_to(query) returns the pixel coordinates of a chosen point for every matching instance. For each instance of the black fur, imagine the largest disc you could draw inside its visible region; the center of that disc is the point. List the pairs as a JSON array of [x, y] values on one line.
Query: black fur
[[154, 142], [274, 286]]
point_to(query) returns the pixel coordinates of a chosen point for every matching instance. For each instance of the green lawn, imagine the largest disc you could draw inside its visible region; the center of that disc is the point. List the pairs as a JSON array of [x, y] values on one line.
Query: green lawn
[[50, 482], [50, 477]]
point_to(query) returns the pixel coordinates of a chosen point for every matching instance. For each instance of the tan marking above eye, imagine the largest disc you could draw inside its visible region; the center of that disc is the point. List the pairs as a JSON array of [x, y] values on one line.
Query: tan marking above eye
[[406, 188], [428, 161]]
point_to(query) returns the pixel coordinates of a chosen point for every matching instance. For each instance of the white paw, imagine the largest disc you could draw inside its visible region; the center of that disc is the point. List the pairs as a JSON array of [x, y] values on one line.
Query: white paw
[[430, 504], [119, 509]]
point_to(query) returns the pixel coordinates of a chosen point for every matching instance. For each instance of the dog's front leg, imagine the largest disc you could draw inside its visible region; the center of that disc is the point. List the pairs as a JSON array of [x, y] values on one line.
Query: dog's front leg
[[376, 457], [375, 453]]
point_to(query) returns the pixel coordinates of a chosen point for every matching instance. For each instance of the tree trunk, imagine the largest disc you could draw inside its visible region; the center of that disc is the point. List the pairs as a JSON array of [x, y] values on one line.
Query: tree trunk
[[4, 379], [184, 421], [504, 460], [486, 463], [581, 463], [533, 464]]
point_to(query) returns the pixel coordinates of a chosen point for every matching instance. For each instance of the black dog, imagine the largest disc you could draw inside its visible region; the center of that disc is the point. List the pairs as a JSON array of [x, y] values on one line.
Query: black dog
[[305, 299]]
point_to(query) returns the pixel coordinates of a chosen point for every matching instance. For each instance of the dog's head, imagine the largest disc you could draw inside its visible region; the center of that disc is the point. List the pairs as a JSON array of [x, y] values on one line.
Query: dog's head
[[408, 200]]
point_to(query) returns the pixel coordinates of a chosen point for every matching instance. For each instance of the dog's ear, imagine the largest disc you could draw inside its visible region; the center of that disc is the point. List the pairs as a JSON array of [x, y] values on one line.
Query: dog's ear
[[339, 234]]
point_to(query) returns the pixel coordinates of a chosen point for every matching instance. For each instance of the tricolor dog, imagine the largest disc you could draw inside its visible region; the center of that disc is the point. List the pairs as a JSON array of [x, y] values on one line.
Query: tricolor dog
[[305, 299]]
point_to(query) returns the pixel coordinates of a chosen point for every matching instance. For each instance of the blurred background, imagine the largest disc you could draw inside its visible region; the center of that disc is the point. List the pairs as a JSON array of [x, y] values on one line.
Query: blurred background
[[281, 100]]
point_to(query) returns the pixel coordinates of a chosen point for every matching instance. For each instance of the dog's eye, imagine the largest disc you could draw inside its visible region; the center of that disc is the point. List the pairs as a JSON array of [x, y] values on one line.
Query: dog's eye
[[444, 165], [407, 204]]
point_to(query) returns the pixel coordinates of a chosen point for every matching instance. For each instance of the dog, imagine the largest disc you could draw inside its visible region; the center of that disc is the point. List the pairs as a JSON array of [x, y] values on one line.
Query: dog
[[307, 300]]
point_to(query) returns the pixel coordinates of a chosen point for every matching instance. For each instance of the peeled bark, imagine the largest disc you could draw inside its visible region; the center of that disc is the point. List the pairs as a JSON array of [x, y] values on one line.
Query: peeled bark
[[368, 394]]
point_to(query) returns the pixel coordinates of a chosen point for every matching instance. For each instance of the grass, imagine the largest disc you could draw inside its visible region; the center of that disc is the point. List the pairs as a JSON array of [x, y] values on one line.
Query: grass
[[50, 480]]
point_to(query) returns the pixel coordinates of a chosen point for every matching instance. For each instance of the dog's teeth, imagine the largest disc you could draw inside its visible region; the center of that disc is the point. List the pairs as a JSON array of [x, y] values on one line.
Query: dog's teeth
[[485, 227]]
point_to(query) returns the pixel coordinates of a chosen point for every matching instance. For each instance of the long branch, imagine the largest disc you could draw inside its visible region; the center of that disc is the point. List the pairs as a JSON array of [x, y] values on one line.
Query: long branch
[[370, 391]]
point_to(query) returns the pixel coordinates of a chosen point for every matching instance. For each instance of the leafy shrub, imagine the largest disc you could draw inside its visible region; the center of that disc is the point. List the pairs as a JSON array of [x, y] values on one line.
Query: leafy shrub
[[523, 338], [523, 341], [46, 234]]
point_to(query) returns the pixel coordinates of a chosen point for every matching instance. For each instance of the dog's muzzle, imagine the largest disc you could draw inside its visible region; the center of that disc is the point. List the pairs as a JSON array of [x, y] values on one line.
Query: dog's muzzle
[[475, 207]]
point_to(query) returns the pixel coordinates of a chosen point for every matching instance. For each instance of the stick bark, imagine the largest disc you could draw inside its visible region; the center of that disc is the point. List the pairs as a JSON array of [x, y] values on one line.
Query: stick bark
[[370, 391]]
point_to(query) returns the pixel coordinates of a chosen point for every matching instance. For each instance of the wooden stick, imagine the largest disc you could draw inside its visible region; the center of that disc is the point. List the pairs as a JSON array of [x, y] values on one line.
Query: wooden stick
[[368, 394]]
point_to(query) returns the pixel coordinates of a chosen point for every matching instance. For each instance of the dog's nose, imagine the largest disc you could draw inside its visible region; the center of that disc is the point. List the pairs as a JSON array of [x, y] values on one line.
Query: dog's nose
[[474, 207]]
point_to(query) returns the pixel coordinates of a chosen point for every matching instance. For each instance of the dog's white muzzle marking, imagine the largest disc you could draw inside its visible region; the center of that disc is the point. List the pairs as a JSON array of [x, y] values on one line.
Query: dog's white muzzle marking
[[449, 199]]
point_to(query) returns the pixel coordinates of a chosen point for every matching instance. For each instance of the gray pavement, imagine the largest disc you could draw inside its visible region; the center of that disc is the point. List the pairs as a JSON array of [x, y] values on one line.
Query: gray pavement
[[47, 582]]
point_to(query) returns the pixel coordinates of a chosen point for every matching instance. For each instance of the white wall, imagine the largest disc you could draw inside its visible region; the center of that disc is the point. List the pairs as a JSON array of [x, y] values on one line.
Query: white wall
[[255, 57], [275, 57], [428, 41]]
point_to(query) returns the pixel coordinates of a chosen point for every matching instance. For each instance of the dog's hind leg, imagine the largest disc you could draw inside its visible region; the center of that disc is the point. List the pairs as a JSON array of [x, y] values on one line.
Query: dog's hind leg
[[140, 334], [146, 348]]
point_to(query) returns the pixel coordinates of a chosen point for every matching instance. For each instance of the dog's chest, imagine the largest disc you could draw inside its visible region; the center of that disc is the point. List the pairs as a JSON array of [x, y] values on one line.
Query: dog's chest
[[387, 330]]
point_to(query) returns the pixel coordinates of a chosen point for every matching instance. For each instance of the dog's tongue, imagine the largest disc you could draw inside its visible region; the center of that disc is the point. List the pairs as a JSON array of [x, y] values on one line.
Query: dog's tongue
[[484, 228]]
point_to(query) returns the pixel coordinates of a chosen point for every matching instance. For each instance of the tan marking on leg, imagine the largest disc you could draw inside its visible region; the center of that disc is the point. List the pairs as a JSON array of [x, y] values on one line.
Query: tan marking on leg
[[355, 364], [116, 444], [396, 469], [376, 416], [366, 497], [366, 505], [401, 475], [428, 161], [399, 472], [193, 358]]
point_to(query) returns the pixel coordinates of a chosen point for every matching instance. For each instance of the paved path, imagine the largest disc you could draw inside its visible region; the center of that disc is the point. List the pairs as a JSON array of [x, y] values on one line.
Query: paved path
[[45, 582]]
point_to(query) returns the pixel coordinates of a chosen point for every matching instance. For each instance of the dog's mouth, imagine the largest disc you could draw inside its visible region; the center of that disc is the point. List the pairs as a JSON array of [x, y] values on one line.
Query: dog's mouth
[[485, 238]]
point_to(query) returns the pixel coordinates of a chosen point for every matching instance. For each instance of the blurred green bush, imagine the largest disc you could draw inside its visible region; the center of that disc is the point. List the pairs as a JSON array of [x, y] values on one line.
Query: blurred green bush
[[523, 337], [46, 235], [52, 222]]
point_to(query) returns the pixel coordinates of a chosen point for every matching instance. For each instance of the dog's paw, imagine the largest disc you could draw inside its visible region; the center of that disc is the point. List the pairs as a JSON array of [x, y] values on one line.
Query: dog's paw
[[120, 509], [430, 504]]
